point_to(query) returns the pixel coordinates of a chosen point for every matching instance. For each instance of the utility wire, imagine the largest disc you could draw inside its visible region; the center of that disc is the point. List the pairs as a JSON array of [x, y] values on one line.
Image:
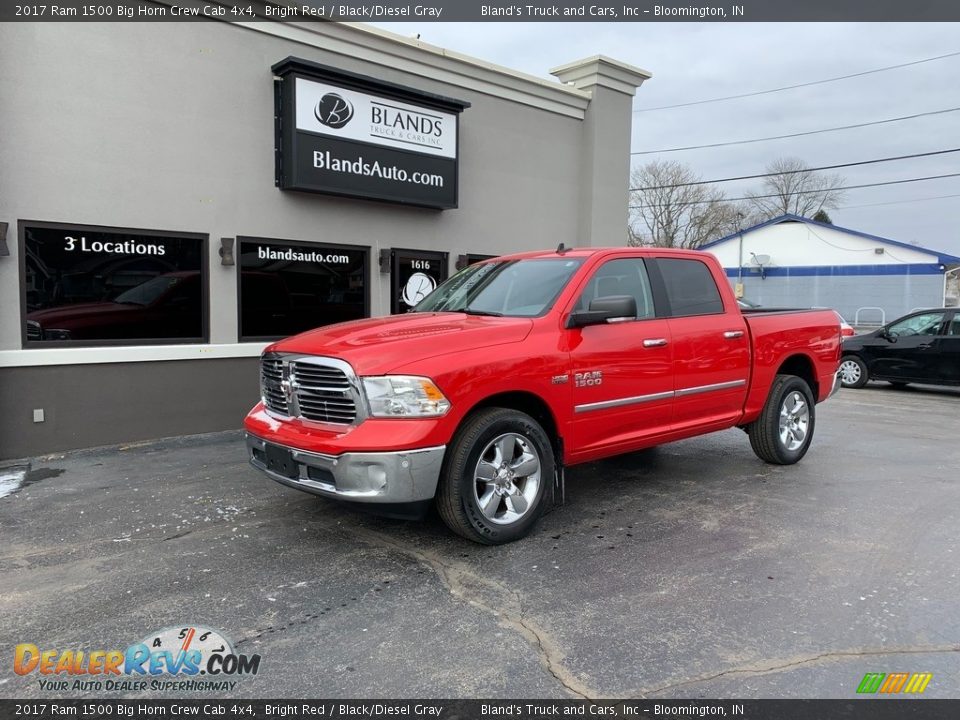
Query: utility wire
[[795, 172], [898, 202], [795, 135], [799, 192], [799, 85]]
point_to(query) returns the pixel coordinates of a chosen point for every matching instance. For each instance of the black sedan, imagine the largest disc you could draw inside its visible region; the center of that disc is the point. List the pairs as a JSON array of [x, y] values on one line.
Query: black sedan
[[922, 347]]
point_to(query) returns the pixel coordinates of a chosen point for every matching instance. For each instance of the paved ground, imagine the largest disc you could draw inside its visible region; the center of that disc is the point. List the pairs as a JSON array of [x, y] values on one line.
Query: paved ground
[[692, 570]]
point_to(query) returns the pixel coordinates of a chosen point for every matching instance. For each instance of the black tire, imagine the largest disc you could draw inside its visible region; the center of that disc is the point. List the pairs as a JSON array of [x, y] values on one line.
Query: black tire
[[858, 375], [765, 434], [458, 496]]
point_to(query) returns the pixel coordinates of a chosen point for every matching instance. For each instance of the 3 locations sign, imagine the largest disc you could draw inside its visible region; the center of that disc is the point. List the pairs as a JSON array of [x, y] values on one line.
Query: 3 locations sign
[[352, 135]]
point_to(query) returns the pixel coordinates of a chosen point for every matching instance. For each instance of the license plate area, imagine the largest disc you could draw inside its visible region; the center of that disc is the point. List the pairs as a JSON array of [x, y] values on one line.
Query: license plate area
[[280, 460]]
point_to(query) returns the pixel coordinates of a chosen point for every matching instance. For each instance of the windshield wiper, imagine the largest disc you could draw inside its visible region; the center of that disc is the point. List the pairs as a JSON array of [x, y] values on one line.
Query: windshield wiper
[[488, 313]]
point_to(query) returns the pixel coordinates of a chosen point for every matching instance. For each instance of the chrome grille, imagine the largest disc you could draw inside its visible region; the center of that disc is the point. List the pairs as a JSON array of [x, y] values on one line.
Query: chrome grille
[[271, 388], [323, 393], [34, 332], [318, 389]]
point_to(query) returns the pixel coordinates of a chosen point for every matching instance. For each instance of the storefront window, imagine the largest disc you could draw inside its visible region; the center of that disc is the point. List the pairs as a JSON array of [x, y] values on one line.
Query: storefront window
[[288, 287], [414, 274], [88, 285]]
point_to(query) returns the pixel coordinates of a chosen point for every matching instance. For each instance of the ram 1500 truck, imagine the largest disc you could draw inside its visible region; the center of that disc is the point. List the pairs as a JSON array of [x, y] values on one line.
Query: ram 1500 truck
[[522, 365]]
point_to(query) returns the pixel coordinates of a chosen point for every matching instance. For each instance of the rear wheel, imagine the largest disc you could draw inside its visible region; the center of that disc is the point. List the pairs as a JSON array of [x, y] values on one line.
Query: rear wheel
[[496, 476], [853, 372], [782, 433]]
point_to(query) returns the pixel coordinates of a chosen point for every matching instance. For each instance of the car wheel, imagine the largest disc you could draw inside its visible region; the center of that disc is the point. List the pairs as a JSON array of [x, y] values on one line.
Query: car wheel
[[782, 433], [853, 372], [495, 477]]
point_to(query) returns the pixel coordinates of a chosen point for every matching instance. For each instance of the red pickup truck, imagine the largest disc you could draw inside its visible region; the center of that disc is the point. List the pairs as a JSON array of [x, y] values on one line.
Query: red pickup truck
[[522, 365]]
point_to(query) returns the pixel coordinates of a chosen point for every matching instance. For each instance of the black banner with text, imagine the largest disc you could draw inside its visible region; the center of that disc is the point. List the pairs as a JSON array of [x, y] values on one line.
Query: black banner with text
[[207, 709], [486, 10]]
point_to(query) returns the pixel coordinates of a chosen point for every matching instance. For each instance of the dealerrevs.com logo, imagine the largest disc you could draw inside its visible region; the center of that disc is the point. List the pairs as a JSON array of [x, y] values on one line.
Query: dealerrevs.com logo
[[174, 659]]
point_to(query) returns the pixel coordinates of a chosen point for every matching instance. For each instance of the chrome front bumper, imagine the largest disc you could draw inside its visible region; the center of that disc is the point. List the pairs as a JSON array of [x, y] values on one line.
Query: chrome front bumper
[[403, 476]]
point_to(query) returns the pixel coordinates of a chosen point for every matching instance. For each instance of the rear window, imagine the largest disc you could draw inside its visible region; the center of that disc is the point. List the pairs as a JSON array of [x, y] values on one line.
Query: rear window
[[690, 287]]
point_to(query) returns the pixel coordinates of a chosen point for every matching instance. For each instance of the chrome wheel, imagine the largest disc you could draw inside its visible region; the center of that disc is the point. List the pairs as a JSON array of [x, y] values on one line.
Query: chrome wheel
[[507, 478], [850, 372], [794, 420]]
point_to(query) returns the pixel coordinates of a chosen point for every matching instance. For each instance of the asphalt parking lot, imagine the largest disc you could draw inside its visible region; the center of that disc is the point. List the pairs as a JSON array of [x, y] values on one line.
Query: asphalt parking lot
[[691, 570]]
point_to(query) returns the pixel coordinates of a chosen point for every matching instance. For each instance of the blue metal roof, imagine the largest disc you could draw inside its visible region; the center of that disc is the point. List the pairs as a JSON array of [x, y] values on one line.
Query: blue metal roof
[[942, 257]]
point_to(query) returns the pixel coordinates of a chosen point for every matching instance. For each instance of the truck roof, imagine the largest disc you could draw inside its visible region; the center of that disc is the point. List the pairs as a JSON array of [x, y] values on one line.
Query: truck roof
[[581, 252]]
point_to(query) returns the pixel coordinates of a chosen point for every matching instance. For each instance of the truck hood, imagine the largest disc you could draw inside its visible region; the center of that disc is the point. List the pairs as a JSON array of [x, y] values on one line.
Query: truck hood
[[378, 345]]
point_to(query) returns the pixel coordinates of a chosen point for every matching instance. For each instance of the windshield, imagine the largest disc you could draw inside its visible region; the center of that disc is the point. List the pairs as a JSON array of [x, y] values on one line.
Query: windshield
[[517, 288], [147, 292]]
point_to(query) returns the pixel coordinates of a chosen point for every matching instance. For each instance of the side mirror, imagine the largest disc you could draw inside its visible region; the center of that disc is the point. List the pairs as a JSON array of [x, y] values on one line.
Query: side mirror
[[887, 335], [615, 308]]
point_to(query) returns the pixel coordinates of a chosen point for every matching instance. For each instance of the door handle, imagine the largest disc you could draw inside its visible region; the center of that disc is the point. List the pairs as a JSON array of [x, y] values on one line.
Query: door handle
[[733, 334], [654, 342]]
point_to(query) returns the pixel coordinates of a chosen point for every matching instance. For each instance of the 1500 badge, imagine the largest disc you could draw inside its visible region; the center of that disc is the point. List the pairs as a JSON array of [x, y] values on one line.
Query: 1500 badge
[[588, 379]]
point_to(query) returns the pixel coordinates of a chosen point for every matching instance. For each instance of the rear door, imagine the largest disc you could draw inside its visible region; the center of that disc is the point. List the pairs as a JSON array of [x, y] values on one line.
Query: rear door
[[621, 373], [946, 353], [711, 345]]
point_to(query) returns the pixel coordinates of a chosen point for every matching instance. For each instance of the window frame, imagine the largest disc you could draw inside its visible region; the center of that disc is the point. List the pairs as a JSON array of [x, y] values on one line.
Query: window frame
[[941, 326], [365, 249], [204, 239], [655, 301], [662, 296]]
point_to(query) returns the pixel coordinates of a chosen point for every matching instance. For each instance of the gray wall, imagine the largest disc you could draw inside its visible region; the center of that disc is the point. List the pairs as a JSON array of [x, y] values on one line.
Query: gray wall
[[896, 294], [169, 126], [88, 405]]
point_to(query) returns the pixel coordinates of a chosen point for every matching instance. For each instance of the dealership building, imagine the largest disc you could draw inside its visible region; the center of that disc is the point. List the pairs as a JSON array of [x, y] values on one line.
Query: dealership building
[[176, 195]]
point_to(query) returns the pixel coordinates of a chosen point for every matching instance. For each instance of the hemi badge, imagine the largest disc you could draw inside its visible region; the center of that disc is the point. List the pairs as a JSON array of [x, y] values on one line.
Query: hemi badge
[[559, 379]]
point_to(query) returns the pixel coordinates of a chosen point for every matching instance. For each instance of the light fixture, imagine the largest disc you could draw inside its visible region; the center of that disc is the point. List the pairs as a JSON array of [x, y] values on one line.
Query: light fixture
[[385, 257], [226, 251], [4, 250]]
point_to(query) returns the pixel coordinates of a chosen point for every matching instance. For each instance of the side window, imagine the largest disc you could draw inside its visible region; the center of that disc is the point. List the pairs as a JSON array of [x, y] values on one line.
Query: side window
[[620, 277], [690, 287], [953, 328], [925, 324]]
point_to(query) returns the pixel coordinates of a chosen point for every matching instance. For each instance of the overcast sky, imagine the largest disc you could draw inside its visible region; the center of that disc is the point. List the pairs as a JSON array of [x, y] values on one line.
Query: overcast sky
[[696, 61]]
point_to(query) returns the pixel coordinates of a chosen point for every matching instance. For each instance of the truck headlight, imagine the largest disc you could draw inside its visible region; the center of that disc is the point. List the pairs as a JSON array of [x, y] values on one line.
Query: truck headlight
[[404, 396], [57, 334]]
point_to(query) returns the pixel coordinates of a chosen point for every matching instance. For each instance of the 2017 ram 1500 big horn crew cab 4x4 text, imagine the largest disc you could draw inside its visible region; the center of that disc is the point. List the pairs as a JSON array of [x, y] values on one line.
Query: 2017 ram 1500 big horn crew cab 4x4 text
[[519, 366]]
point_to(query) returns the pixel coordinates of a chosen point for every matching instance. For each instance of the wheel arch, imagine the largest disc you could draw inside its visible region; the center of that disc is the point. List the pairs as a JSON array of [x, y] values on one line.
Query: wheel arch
[[802, 366], [529, 403]]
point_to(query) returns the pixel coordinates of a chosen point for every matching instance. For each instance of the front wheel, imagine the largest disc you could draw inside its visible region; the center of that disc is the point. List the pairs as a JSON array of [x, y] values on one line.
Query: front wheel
[[782, 433], [496, 477], [853, 372]]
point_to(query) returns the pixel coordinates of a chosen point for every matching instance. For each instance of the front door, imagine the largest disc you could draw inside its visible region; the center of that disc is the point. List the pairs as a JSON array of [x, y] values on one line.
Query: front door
[[621, 373], [907, 350], [414, 274]]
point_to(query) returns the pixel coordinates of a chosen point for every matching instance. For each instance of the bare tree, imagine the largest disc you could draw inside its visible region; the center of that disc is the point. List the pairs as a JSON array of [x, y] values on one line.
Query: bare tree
[[793, 188], [670, 207]]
